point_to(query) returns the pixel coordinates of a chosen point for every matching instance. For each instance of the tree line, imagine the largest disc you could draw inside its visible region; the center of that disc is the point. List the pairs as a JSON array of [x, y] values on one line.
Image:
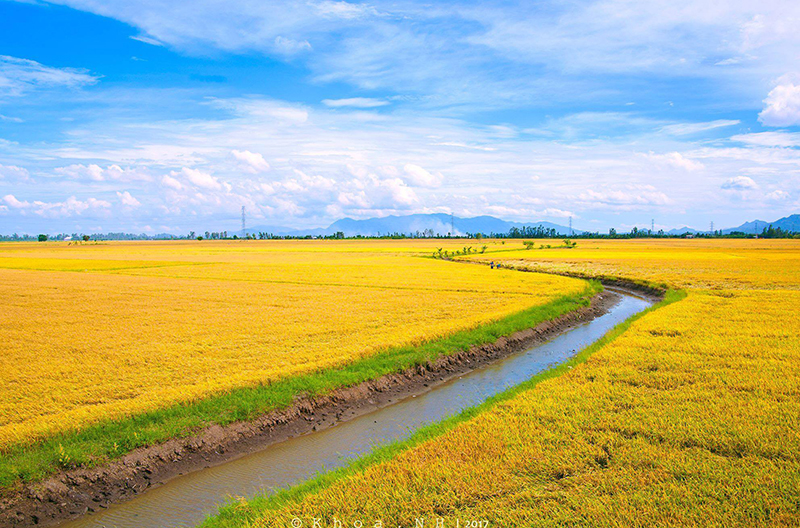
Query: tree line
[[513, 233]]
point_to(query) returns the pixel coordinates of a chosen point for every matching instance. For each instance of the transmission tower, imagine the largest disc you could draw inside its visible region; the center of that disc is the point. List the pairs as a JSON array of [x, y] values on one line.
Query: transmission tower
[[243, 222], [652, 225], [570, 226], [712, 227], [452, 226]]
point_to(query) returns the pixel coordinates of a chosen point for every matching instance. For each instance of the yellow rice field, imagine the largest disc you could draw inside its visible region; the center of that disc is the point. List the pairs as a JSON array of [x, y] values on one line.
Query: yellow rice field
[[98, 331], [688, 418], [681, 263]]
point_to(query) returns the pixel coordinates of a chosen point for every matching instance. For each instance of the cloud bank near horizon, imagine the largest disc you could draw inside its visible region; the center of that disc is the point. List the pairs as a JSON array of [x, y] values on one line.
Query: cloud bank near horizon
[[336, 109]]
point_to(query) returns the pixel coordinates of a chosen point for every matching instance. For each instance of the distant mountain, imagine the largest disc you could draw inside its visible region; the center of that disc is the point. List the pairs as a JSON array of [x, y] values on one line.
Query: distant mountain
[[787, 223], [438, 223], [682, 231]]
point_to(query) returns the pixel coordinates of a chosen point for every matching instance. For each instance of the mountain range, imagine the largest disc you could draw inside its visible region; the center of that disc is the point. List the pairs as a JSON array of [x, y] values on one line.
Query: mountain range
[[787, 223], [440, 223]]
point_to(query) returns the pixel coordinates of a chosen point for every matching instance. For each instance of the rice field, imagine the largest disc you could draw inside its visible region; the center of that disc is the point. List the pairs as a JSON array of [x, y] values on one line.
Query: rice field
[[679, 263], [686, 416], [100, 333]]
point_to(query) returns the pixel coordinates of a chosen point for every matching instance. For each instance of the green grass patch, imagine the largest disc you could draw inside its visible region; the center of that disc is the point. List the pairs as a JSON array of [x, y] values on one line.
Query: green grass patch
[[104, 441], [241, 513]]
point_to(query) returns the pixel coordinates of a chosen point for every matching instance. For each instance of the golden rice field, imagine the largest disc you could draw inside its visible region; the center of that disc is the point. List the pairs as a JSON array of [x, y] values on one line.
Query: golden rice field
[[681, 263], [689, 417], [96, 332]]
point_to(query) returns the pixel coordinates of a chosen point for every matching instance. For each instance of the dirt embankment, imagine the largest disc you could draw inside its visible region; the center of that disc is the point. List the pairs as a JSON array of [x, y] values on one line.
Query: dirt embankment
[[74, 493]]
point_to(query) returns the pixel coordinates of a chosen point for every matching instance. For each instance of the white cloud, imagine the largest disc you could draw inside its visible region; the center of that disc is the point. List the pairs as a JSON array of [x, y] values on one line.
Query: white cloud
[[677, 160], [345, 10], [10, 119], [782, 105], [128, 200], [355, 102], [268, 112], [251, 162], [94, 172], [327, 163], [147, 40], [287, 46], [777, 196], [420, 177], [400, 194], [464, 145], [171, 182], [635, 195], [740, 183], [453, 51], [770, 139], [528, 214], [683, 129], [18, 76], [12, 201], [12, 172], [198, 178], [69, 207]]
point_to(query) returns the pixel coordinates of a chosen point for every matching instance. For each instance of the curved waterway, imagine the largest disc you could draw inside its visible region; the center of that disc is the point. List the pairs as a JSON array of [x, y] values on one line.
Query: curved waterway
[[188, 499]]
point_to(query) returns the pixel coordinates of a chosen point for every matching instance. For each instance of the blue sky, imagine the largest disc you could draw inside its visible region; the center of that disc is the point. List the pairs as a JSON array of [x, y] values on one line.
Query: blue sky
[[154, 116]]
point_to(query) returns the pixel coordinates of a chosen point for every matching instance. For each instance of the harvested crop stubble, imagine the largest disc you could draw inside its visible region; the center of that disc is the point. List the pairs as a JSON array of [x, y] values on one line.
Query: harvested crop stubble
[[689, 417]]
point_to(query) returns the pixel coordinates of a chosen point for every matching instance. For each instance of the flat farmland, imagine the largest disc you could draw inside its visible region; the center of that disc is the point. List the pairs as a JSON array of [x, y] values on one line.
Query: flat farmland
[[684, 416], [98, 333]]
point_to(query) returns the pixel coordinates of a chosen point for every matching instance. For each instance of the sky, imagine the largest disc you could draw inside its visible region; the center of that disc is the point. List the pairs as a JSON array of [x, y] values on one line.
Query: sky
[[168, 116]]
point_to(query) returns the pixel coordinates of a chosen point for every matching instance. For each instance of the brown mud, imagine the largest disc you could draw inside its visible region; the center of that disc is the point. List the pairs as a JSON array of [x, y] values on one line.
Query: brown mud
[[73, 493]]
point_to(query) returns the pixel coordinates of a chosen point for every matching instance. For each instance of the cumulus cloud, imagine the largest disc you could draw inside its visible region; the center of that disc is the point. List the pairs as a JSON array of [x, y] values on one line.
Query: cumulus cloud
[[251, 162], [782, 105], [69, 207], [677, 160], [777, 196], [355, 102], [420, 177], [12, 201], [740, 183], [94, 172], [172, 183], [198, 178], [12, 172], [377, 192], [128, 200]]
